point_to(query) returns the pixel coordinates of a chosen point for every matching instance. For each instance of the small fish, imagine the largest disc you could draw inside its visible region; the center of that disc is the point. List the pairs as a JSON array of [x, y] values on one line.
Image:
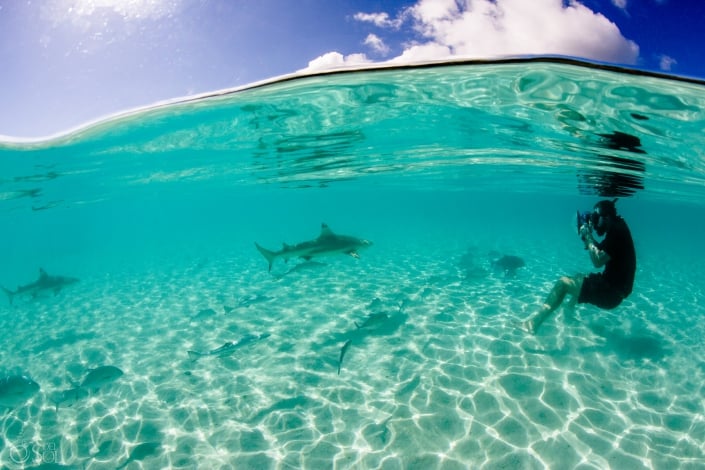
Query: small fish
[[141, 452], [343, 350], [94, 380], [228, 348], [68, 398], [100, 377], [15, 390], [509, 264]]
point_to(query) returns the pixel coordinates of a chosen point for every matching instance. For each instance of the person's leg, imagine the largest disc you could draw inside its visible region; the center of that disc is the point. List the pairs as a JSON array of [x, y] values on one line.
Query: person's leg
[[569, 308], [565, 285]]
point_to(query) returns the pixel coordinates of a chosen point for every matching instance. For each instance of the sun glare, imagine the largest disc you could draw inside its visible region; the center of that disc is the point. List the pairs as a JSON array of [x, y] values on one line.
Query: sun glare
[[80, 10]]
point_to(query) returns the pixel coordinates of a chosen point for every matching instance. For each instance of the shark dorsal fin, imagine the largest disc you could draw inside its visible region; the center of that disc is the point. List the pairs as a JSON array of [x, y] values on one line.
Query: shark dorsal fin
[[326, 231], [42, 274]]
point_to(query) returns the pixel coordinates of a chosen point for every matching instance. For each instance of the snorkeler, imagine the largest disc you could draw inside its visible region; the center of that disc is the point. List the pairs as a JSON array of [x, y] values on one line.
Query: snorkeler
[[615, 252]]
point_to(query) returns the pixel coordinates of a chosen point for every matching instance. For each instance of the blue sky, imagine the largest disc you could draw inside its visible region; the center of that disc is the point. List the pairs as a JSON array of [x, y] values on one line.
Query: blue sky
[[66, 62]]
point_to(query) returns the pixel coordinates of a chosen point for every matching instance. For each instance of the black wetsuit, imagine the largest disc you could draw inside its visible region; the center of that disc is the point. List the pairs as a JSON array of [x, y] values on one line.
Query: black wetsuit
[[608, 288]]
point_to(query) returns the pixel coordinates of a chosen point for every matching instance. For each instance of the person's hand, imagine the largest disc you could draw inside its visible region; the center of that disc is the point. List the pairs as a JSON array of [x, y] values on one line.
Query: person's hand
[[586, 233]]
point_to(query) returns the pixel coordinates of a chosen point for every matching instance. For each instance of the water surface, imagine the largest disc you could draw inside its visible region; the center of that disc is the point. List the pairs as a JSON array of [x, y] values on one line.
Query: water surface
[[445, 168]]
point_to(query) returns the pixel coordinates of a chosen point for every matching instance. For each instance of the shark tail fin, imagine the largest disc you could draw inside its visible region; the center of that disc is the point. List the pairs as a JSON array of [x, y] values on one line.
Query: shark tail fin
[[195, 355], [10, 294], [269, 255]]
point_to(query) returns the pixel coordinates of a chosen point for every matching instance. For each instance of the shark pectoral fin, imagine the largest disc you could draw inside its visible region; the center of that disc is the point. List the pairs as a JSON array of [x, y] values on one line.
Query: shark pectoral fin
[[307, 258], [42, 274]]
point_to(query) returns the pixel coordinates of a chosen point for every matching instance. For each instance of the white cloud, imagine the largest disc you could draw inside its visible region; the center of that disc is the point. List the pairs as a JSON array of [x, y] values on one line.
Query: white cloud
[[435, 11], [621, 4], [493, 28], [380, 20], [334, 60], [666, 63], [486, 28], [422, 53], [377, 44]]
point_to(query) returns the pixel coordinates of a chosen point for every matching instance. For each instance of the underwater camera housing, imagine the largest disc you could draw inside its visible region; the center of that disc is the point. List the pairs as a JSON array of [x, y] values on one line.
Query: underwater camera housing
[[583, 218]]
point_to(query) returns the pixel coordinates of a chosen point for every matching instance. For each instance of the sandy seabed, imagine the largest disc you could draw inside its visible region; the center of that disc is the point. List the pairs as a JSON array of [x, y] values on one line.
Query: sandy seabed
[[436, 374]]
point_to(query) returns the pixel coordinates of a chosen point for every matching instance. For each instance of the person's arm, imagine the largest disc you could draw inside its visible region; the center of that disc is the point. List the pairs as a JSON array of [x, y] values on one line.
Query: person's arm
[[598, 257]]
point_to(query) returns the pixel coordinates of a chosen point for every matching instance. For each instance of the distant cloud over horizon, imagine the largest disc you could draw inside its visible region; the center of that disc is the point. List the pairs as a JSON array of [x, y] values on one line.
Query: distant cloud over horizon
[[666, 63], [481, 29]]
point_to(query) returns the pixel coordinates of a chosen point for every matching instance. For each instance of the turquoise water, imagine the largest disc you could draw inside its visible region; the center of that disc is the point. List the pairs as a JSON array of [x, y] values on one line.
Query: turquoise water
[[445, 169]]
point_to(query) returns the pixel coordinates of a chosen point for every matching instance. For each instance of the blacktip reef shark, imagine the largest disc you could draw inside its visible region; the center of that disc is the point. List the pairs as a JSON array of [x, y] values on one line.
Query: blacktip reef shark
[[375, 324], [327, 243], [228, 348], [45, 283]]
